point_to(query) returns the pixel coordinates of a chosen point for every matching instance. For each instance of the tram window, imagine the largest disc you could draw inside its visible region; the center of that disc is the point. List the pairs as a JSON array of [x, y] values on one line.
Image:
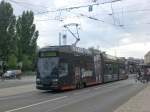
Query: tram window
[[109, 68], [63, 69], [115, 68]]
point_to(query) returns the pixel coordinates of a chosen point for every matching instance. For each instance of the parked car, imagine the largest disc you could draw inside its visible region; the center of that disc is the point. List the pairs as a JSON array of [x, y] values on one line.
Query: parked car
[[10, 74]]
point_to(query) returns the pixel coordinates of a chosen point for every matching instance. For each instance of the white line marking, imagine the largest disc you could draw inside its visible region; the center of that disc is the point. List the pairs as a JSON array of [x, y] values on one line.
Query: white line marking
[[16, 109]]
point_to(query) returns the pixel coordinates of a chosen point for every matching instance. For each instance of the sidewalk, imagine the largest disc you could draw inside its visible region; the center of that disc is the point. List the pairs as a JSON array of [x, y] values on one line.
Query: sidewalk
[[17, 90], [138, 103]]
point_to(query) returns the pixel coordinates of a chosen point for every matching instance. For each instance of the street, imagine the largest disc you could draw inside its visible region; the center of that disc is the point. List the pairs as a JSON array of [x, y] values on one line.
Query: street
[[16, 82], [101, 98]]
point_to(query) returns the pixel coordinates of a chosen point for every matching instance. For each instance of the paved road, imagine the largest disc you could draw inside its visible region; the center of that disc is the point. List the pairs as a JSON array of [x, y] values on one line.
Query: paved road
[[102, 98], [15, 82]]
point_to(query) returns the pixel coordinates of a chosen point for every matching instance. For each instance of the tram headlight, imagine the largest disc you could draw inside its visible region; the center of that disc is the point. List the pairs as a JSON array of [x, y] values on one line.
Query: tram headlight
[[38, 80], [55, 80]]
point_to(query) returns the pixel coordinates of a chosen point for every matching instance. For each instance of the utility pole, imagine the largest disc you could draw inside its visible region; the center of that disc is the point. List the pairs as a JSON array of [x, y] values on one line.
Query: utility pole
[[64, 39], [59, 38]]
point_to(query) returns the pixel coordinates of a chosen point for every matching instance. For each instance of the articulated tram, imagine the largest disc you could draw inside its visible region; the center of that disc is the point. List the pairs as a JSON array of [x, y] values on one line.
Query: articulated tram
[[68, 67]]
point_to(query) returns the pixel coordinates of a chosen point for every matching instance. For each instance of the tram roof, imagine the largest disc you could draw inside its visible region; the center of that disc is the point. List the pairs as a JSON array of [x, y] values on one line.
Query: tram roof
[[76, 50], [67, 49]]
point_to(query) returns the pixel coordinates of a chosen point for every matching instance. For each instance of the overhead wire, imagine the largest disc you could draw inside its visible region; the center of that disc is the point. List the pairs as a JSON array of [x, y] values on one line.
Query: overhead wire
[[26, 3], [29, 6], [76, 7], [89, 17], [119, 17], [93, 18], [133, 11], [113, 16]]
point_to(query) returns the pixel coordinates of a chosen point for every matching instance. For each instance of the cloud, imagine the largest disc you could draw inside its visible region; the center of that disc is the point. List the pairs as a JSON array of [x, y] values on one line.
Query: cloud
[[131, 50], [131, 39], [69, 3]]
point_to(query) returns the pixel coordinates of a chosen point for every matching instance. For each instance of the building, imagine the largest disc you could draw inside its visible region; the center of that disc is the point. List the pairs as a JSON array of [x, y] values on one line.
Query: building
[[133, 64], [147, 58]]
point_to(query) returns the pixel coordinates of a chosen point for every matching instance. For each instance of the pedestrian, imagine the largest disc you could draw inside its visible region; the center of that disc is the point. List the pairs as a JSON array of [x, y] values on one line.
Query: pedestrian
[[139, 74], [146, 74], [4, 71]]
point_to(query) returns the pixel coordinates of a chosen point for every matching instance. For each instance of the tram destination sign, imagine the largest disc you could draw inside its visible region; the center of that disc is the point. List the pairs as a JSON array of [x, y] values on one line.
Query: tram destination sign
[[48, 54]]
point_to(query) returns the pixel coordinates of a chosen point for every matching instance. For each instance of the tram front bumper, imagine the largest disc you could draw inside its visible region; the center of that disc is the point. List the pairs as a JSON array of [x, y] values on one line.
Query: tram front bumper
[[50, 86]]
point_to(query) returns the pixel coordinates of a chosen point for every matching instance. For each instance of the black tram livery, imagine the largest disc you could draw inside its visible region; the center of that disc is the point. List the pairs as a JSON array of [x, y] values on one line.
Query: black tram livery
[[68, 67]]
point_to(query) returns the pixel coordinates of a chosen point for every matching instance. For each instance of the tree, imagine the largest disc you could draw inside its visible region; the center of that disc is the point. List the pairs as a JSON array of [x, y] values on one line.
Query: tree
[[27, 36], [27, 64], [12, 61], [7, 31]]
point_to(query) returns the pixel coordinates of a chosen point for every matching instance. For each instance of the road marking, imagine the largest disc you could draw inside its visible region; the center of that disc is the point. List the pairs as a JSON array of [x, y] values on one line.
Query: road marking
[[16, 109]]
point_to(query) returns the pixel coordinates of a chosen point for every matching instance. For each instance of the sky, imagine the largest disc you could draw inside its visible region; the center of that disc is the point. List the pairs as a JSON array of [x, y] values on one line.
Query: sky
[[123, 29]]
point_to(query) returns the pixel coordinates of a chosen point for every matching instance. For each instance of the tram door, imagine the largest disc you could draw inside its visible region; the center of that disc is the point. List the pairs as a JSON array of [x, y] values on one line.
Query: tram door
[[77, 75], [98, 68]]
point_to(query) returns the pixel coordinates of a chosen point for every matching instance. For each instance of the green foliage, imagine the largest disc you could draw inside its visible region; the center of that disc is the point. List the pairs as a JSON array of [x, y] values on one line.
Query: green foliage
[[7, 30], [12, 61], [17, 37], [27, 37], [27, 63]]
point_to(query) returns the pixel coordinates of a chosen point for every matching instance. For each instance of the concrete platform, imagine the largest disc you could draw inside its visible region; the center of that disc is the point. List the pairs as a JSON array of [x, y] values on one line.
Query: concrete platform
[[138, 103]]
